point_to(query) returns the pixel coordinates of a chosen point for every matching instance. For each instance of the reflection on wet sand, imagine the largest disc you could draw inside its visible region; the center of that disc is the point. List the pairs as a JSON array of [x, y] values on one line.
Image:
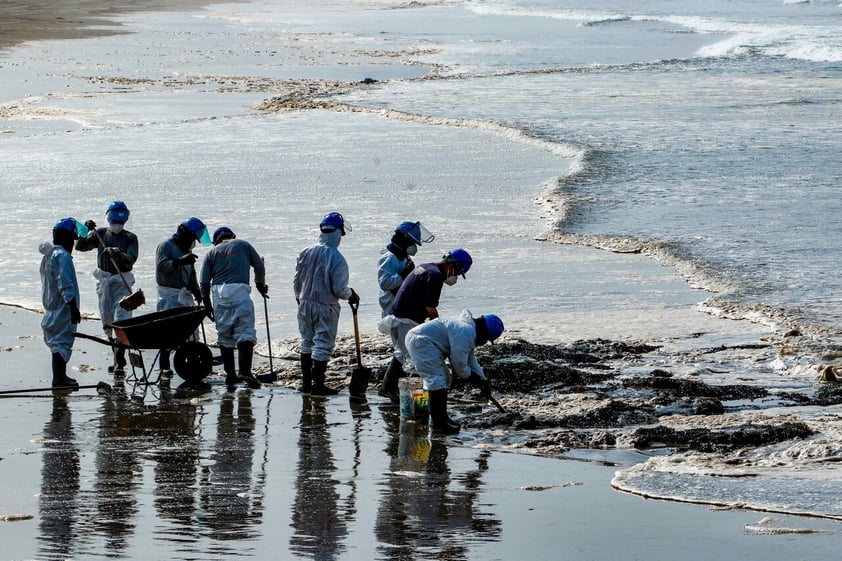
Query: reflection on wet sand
[[130, 433], [230, 508], [424, 508], [319, 529], [182, 478], [60, 470]]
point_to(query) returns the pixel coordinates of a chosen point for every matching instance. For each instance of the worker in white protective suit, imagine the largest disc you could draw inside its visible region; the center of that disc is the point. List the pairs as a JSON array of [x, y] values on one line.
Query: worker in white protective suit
[[117, 251], [175, 273], [321, 280], [432, 343], [225, 277], [395, 262], [60, 298]]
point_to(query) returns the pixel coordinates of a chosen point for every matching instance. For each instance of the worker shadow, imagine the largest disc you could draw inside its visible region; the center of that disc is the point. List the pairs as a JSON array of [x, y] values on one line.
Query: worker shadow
[[425, 509], [318, 528], [59, 499]]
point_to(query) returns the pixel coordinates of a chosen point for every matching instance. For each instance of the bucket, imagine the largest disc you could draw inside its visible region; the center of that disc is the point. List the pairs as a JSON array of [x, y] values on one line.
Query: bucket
[[414, 400]]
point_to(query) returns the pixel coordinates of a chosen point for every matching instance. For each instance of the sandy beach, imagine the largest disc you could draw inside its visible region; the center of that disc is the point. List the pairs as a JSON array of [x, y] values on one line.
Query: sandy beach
[[148, 471], [47, 20]]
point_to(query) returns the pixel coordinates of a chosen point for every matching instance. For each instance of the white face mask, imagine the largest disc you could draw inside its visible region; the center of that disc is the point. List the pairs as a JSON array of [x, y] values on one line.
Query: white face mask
[[450, 281], [116, 228], [412, 250], [192, 244]]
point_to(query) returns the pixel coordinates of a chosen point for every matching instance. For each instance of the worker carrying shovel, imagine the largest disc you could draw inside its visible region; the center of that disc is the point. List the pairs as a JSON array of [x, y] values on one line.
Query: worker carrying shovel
[[117, 251]]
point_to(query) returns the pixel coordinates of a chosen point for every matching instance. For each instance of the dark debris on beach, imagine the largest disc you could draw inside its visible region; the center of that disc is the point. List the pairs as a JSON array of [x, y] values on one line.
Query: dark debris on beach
[[563, 397]]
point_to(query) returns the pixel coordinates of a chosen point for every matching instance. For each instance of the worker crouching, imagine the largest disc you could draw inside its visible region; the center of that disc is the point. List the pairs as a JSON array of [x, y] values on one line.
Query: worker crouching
[[429, 346]]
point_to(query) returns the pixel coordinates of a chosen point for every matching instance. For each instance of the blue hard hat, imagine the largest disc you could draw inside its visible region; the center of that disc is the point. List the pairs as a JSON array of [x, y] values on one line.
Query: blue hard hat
[[72, 225], [198, 229], [117, 212], [494, 325], [461, 259], [334, 221], [415, 231], [223, 233]]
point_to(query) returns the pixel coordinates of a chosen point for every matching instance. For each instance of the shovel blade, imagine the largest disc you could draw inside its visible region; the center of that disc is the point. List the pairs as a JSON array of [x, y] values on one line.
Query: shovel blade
[[133, 301], [359, 382]]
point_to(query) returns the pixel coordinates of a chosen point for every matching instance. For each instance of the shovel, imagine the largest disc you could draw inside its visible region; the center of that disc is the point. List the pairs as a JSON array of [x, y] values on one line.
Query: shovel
[[132, 301], [270, 376], [360, 374]]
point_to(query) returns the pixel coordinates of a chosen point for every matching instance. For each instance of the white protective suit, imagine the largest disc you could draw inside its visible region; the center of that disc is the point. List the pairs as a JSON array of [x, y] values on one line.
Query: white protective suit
[[110, 289], [431, 343], [389, 268], [59, 287], [321, 280]]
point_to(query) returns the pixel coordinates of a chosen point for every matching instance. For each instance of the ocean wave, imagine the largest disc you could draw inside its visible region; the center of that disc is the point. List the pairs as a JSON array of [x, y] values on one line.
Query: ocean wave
[[784, 478], [811, 43]]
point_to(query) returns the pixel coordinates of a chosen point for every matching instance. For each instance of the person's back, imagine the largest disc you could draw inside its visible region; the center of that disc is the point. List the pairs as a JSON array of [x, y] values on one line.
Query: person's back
[[421, 290], [321, 272], [321, 280], [230, 262]]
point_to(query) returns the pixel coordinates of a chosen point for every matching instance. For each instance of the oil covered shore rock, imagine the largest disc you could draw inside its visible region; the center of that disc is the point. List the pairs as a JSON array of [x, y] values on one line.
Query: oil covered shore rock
[[593, 394]]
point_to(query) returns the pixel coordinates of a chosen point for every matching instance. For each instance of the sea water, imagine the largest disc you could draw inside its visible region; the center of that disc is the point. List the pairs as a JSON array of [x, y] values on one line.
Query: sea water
[[699, 139]]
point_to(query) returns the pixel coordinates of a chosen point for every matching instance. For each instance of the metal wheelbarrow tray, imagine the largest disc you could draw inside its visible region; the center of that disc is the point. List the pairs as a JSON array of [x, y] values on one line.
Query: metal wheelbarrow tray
[[164, 331], [159, 330]]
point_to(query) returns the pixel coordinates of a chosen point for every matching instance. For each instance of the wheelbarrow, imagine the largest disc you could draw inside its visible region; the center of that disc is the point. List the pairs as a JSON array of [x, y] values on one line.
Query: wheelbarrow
[[169, 330]]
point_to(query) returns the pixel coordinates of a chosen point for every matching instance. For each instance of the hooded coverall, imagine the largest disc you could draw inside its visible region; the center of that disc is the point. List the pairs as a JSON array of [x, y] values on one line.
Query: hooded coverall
[[389, 269], [431, 343], [321, 280], [59, 287]]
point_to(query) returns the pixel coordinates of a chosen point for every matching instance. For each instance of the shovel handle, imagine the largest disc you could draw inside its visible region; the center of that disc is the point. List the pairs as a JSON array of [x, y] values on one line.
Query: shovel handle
[[354, 308], [113, 263]]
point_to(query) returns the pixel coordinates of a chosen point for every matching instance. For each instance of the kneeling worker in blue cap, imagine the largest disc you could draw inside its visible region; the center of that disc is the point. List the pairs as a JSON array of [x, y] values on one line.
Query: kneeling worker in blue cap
[[430, 344]]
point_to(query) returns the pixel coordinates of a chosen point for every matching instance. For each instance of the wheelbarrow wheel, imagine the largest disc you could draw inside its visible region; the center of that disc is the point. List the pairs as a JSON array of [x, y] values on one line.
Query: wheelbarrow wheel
[[193, 361]]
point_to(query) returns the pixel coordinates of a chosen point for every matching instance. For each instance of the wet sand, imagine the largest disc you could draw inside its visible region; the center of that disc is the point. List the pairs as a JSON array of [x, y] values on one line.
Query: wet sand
[[269, 474], [52, 20]]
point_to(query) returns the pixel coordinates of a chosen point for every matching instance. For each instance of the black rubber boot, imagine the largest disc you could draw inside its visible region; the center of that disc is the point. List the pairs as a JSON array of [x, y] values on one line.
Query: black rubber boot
[[389, 385], [318, 374], [306, 373], [229, 365], [60, 378], [245, 352], [120, 361], [439, 420]]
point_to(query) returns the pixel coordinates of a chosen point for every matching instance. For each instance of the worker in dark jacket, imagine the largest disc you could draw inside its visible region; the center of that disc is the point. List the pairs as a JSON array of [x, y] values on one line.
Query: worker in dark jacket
[[117, 251], [226, 294]]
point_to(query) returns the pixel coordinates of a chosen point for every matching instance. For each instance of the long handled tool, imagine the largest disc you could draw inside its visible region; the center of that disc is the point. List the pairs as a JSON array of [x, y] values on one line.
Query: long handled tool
[[360, 374], [270, 376], [495, 403], [101, 387], [132, 301]]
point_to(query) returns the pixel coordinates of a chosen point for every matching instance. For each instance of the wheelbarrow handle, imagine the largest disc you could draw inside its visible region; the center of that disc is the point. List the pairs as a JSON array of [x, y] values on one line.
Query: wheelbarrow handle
[[97, 339]]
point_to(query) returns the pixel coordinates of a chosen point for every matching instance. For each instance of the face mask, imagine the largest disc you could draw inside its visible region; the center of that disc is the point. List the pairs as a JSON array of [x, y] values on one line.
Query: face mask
[[412, 250], [192, 244], [450, 281], [116, 228]]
